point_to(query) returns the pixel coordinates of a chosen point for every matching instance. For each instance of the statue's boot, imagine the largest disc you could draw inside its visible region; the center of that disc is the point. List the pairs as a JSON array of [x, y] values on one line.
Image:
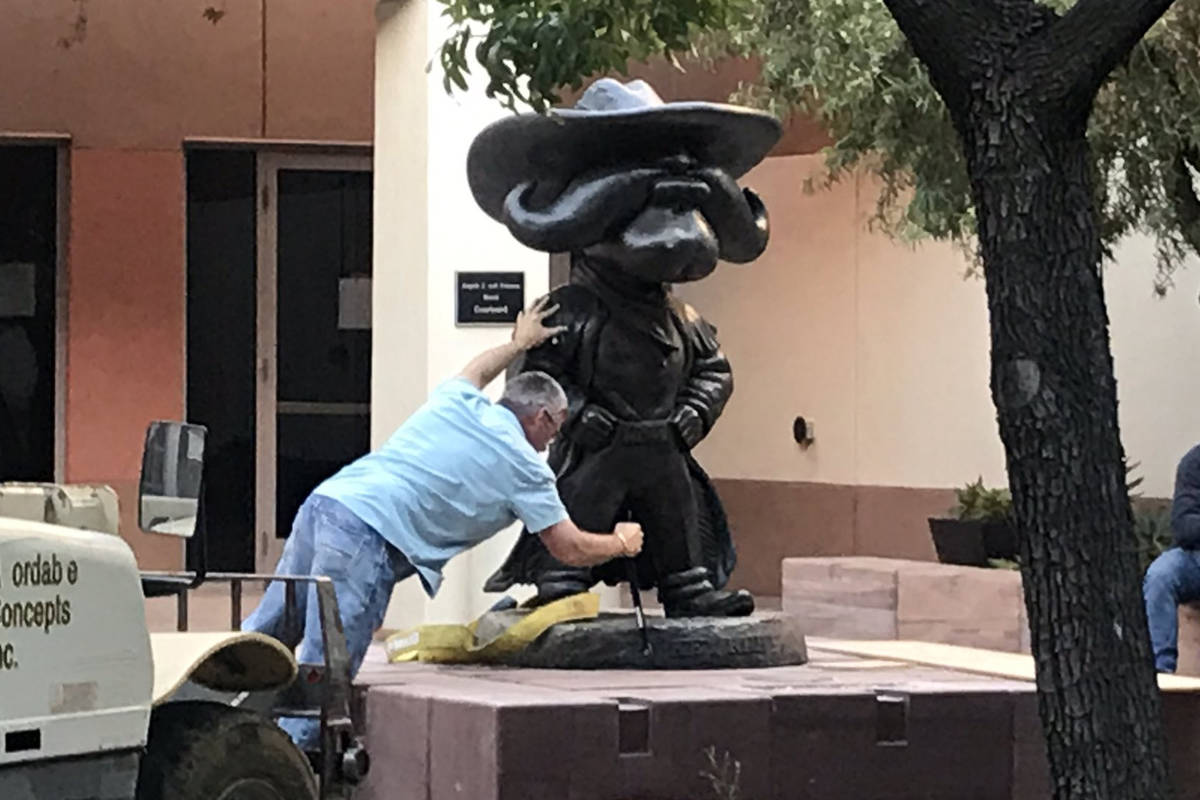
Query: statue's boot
[[691, 594], [556, 584]]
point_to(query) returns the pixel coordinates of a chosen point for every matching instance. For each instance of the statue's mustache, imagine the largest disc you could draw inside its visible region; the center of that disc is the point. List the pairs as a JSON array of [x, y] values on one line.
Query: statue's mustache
[[594, 207], [680, 193]]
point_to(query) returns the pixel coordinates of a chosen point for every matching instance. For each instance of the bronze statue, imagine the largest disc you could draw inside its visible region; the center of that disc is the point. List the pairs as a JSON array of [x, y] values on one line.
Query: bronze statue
[[642, 194]]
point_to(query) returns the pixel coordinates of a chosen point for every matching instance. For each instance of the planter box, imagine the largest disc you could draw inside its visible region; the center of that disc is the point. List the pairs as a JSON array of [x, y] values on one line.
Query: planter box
[[861, 597], [972, 542]]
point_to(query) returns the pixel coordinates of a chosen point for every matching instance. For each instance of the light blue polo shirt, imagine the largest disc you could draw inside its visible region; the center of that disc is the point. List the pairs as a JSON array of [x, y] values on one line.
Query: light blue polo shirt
[[455, 473]]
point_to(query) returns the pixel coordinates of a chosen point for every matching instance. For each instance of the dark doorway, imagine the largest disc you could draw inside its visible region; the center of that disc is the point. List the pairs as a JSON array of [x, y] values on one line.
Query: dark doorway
[[28, 272], [221, 344], [324, 329]]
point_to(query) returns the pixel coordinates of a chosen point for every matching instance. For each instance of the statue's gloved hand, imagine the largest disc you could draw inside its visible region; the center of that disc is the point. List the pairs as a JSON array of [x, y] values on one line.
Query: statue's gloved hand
[[595, 428], [688, 426]]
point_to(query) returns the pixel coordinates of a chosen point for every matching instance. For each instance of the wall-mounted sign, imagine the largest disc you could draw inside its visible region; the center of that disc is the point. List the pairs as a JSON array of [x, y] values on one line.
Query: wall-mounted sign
[[488, 297]]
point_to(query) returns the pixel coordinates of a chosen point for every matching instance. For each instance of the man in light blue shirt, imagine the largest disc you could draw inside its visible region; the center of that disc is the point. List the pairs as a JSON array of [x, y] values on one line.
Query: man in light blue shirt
[[456, 472]]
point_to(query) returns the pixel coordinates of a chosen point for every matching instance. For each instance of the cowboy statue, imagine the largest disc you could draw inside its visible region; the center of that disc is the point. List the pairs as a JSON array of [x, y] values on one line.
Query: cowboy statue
[[643, 195]]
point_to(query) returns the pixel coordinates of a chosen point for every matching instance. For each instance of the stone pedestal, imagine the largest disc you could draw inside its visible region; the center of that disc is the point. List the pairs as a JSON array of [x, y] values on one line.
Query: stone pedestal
[[840, 727], [883, 598]]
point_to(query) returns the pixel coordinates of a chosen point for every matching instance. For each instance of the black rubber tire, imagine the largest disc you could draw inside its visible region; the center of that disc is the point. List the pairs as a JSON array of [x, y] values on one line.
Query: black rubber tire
[[209, 751], [612, 642]]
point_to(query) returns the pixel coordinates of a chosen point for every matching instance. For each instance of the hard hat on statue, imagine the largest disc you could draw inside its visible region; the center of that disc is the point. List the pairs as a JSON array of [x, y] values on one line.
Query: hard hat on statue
[[613, 123]]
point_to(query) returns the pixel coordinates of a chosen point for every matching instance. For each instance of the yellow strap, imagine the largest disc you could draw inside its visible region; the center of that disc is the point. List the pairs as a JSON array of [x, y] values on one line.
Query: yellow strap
[[457, 644]]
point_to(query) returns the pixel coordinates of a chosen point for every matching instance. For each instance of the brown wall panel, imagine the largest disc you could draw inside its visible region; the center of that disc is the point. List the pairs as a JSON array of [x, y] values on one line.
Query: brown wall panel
[[125, 335], [893, 521], [320, 70], [137, 75], [774, 520]]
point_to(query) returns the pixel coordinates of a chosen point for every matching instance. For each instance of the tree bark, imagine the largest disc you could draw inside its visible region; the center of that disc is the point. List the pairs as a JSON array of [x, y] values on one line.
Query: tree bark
[[1055, 396], [1019, 83]]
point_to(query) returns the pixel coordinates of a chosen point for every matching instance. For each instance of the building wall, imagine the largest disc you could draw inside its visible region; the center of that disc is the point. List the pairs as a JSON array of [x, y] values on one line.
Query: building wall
[[145, 75], [427, 227], [125, 343], [129, 81], [885, 348]]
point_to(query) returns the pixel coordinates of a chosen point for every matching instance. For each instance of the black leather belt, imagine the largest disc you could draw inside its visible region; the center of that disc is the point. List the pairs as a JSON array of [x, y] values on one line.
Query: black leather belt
[[635, 433]]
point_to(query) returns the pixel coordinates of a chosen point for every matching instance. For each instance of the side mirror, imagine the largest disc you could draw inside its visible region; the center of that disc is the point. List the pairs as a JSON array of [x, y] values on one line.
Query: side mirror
[[172, 478]]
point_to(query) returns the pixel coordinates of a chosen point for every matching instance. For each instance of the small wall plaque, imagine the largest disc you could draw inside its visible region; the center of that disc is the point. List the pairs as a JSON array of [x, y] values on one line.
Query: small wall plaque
[[488, 298]]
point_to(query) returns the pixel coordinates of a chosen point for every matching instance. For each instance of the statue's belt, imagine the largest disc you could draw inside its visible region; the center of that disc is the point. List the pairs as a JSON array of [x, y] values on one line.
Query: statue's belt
[[634, 433], [492, 636]]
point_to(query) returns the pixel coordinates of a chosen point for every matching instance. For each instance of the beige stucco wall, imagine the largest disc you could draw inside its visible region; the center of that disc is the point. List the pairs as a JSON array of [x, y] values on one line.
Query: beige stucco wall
[[1156, 345], [885, 348], [427, 227]]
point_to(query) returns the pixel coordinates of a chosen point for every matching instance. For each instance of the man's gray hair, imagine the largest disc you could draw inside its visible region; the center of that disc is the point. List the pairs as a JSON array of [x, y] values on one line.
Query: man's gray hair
[[529, 392]]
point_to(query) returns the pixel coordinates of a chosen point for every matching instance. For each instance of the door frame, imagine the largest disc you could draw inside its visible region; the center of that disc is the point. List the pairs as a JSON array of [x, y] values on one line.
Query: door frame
[[268, 546]]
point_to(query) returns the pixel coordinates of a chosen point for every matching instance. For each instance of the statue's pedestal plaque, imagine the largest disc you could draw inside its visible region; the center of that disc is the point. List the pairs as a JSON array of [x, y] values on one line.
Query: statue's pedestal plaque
[[613, 641]]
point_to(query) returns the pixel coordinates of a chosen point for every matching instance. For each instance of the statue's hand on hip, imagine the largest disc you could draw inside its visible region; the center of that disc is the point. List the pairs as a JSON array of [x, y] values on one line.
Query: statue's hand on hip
[[595, 428], [688, 426]]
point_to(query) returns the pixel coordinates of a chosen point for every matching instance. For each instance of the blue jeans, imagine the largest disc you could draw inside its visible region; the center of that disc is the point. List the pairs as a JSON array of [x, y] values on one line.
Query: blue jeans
[[328, 539], [1172, 579]]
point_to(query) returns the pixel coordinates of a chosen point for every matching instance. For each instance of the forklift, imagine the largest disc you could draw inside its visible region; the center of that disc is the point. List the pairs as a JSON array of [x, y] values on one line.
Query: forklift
[[93, 705]]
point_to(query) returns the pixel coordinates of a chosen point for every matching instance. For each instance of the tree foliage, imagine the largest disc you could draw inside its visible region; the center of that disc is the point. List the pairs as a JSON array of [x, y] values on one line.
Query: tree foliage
[[532, 49], [846, 63]]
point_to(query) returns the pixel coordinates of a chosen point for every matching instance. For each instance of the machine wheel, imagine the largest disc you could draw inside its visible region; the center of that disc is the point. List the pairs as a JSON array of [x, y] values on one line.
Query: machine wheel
[[209, 751]]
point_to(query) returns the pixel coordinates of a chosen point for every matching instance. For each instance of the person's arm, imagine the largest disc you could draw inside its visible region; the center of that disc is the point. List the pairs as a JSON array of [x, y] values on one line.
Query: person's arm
[[529, 331], [576, 548]]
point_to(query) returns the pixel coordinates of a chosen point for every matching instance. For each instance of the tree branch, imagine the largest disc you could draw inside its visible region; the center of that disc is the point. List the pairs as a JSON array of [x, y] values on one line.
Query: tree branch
[[1094, 36], [943, 38]]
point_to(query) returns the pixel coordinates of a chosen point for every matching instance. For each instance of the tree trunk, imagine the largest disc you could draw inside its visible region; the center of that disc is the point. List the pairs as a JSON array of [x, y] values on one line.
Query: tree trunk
[[1055, 396], [1019, 81]]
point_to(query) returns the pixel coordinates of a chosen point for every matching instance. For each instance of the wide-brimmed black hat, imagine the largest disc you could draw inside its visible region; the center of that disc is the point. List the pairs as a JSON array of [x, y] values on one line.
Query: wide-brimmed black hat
[[613, 123]]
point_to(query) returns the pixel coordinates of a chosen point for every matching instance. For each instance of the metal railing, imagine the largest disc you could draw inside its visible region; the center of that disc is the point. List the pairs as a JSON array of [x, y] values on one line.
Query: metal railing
[[320, 690]]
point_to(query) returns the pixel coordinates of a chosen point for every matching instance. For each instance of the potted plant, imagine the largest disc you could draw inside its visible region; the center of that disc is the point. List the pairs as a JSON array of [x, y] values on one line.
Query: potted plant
[[978, 530], [1152, 527], [1151, 522]]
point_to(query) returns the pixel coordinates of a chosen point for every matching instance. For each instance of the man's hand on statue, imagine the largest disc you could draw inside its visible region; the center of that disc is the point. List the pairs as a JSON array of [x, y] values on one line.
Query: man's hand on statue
[[531, 329], [631, 536], [595, 428], [688, 425]]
